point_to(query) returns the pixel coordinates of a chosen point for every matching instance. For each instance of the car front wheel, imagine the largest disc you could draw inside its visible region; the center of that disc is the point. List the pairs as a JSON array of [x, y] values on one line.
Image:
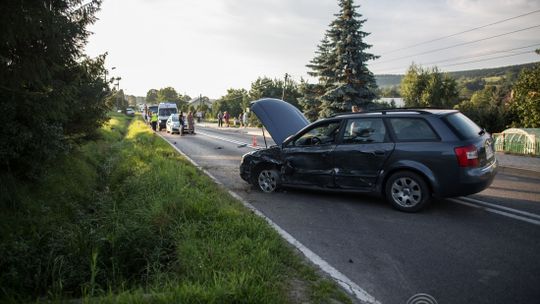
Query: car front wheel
[[267, 179], [407, 191]]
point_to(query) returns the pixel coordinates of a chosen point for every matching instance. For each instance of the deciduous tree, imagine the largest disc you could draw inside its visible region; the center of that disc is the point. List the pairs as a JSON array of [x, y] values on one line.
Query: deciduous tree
[[152, 96], [428, 88], [526, 98]]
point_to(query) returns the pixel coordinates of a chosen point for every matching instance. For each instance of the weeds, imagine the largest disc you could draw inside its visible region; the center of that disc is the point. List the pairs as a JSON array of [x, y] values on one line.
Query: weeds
[[126, 219]]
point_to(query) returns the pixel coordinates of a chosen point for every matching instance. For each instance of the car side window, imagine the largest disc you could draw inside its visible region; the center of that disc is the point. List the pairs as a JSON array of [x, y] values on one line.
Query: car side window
[[412, 129], [364, 130], [324, 134]]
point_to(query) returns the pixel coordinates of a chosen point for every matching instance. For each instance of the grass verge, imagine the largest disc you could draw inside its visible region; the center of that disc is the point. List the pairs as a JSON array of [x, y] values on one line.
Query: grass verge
[[126, 219]]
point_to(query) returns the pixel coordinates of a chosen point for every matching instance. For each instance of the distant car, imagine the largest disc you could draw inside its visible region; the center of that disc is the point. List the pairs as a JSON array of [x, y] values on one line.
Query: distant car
[[408, 156], [173, 124], [130, 112]]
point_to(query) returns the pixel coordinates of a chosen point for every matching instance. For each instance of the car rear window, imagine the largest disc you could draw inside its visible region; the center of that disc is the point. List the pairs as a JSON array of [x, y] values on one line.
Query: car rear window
[[413, 129], [465, 127]]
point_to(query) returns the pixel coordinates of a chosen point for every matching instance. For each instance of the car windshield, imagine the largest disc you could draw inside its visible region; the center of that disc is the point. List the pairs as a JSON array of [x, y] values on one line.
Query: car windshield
[[174, 118], [167, 111], [153, 109]]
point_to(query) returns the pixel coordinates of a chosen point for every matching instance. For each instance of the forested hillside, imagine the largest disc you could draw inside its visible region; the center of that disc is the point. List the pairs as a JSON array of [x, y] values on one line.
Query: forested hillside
[[389, 80]]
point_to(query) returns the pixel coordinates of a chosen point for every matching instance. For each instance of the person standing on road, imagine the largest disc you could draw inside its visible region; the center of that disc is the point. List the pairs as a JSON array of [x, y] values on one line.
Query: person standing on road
[[220, 119], [240, 119], [181, 122], [245, 119], [191, 124], [154, 121], [226, 117]]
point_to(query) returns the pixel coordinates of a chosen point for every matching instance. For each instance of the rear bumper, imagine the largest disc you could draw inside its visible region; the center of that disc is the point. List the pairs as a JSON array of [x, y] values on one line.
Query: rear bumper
[[473, 180]]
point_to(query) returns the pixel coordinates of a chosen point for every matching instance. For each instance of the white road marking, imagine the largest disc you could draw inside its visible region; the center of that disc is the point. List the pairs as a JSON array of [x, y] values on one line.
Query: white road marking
[[500, 212], [335, 274], [229, 140], [472, 200]]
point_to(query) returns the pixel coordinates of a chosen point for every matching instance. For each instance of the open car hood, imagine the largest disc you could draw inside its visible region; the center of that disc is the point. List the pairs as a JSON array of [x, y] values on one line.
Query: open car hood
[[280, 118]]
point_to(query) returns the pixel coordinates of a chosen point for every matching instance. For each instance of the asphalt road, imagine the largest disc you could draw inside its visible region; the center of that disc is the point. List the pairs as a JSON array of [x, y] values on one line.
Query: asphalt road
[[483, 248]]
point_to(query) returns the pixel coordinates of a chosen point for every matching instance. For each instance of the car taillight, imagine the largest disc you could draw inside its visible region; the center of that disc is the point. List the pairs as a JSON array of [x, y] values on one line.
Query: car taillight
[[467, 156]]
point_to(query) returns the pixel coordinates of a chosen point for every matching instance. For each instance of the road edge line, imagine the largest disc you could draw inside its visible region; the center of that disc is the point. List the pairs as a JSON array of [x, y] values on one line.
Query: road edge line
[[496, 211], [504, 208], [335, 274]]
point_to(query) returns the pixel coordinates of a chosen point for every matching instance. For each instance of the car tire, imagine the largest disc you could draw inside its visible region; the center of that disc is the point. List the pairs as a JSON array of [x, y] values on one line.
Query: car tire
[[407, 191], [267, 179]]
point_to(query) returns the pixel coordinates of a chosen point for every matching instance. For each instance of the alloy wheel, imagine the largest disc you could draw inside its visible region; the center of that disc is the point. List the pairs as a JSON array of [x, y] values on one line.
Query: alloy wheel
[[406, 192], [268, 180]]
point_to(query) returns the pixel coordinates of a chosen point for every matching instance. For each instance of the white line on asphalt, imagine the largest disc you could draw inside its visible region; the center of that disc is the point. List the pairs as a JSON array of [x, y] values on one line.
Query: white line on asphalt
[[503, 213], [340, 278], [472, 200]]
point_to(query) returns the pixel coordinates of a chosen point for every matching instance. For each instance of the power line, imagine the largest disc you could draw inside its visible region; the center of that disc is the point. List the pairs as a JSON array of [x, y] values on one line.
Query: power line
[[487, 59], [459, 44], [474, 56], [463, 32], [474, 61]]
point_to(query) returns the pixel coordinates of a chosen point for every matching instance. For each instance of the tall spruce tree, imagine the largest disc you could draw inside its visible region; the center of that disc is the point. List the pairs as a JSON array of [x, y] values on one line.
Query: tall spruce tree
[[309, 101], [341, 64]]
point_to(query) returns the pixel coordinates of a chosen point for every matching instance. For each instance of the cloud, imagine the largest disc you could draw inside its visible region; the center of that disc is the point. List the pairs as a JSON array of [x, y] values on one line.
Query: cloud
[[493, 8]]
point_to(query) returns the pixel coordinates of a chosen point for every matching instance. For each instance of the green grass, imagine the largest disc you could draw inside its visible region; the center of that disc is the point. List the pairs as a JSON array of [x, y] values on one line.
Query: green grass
[[493, 79], [126, 219]]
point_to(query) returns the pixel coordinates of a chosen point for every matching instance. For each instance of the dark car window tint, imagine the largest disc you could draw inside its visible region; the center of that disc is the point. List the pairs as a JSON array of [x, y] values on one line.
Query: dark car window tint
[[412, 129], [364, 130], [320, 135], [465, 127]]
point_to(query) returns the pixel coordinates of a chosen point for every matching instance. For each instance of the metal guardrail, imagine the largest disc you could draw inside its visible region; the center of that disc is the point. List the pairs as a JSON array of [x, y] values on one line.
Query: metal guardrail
[[517, 143]]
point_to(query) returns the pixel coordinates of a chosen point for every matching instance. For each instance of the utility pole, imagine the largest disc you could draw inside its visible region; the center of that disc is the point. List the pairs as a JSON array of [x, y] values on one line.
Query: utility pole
[[284, 85]]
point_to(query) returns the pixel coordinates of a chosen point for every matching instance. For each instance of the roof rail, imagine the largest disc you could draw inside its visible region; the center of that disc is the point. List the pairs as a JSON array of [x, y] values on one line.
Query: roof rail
[[386, 110]]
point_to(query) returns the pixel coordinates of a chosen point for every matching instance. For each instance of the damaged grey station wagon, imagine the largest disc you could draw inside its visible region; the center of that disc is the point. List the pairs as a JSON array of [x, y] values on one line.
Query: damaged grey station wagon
[[408, 156]]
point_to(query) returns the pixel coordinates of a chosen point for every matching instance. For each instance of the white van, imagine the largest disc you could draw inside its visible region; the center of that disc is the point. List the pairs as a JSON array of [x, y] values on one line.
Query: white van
[[165, 109]]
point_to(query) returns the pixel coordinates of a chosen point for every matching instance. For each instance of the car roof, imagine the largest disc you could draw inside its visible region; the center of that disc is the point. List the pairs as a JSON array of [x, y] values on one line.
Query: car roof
[[405, 112]]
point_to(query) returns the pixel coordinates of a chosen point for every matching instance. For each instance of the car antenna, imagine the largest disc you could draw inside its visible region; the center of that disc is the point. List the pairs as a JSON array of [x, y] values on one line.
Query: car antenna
[[264, 136]]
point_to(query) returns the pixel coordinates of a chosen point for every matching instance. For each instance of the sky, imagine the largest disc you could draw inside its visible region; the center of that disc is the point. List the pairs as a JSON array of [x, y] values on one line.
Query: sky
[[208, 46]]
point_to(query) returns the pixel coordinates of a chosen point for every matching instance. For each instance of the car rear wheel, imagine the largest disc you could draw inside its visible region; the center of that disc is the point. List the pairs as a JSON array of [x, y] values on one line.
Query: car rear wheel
[[407, 191], [267, 179]]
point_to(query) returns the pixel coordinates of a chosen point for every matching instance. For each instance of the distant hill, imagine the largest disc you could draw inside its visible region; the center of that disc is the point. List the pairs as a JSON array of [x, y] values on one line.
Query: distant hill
[[388, 80]]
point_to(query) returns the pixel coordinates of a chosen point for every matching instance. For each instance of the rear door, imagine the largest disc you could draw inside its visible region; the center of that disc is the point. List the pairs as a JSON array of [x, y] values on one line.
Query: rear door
[[361, 153], [308, 158]]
